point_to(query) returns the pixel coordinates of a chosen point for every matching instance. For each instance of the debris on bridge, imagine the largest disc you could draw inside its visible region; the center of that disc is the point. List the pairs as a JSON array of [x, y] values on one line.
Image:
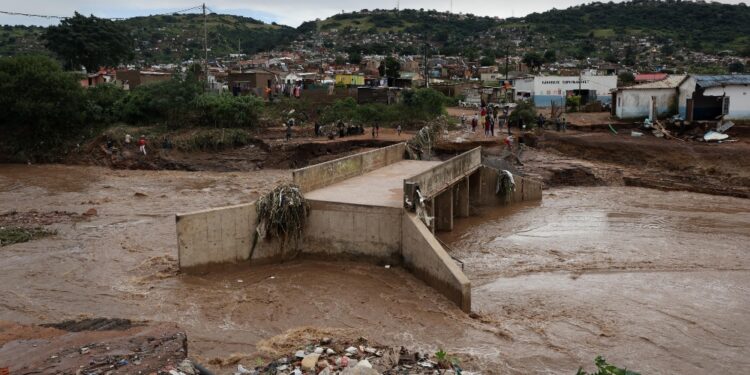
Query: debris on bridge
[[282, 213]]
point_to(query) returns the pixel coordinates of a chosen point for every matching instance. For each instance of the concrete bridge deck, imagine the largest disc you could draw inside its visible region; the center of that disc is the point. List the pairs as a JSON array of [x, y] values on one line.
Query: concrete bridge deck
[[383, 187]]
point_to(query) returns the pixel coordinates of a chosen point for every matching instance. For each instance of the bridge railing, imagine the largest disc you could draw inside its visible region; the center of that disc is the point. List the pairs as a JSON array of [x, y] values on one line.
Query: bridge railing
[[439, 178]]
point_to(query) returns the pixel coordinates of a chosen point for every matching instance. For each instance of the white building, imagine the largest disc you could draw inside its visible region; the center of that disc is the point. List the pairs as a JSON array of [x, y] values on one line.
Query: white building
[[652, 99], [708, 97], [546, 89]]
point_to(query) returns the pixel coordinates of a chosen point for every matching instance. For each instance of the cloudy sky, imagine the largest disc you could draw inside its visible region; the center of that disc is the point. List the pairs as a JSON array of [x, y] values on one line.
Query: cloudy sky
[[288, 12]]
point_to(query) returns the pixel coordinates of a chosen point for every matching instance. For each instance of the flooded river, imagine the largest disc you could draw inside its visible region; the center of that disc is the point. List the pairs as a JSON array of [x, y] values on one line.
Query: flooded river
[[658, 282]]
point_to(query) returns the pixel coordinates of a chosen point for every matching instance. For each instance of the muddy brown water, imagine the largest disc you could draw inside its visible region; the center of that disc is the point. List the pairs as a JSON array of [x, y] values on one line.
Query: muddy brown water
[[655, 281]]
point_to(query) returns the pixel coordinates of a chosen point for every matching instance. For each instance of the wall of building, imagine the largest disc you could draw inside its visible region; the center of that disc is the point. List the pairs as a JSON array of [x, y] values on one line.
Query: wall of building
[[329, 173], [739, 100], [685, 92], [548, 89], [636, 103], [337, 230], [427, 260]]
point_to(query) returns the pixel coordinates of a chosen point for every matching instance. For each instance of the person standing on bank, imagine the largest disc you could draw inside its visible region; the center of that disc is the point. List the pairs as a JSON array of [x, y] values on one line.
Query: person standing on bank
[[142, 144]]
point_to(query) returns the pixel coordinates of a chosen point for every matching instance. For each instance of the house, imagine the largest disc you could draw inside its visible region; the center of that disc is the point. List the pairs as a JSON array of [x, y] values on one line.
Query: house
[[409, 80], [492, 78], [545, 90], [250, 82], [130, 79], [350, 79], [652, 99], [708, 97]]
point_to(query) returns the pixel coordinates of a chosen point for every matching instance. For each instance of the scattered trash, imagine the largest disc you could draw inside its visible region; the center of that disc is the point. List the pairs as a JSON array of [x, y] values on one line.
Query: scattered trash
[[634, 133], [387, 266], [714, 136], [239, 280], [723, 126], [359, 359], [612, 129]]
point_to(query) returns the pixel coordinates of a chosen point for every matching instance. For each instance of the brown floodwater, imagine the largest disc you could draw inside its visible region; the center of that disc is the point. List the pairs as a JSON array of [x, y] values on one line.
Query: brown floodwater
[[658, 282]]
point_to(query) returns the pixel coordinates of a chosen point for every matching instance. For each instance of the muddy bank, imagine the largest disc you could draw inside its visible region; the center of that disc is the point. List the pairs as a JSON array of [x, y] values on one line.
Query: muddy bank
[[91, 347], [722, 169], [257, 150]]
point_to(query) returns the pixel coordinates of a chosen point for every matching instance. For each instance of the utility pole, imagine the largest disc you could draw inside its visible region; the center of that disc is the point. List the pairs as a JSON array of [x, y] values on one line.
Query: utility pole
[[507, 60], [205, 43], [426, 68]]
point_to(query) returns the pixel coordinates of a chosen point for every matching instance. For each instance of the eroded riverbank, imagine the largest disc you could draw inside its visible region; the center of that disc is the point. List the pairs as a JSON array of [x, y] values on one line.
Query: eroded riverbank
[[656, 281]]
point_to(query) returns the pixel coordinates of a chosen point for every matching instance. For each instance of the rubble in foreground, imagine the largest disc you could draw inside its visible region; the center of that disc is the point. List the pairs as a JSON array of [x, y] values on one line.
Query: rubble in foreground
[[328, 357]]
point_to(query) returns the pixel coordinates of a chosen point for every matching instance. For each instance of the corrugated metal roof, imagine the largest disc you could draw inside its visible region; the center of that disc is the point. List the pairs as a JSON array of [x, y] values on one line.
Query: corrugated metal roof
[[671, 82], [722, 80]]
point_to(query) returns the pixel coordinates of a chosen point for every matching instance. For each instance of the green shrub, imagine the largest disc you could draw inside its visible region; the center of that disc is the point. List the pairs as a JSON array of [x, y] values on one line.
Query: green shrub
[[525, 110], [228, 111], [101, 103], [167, 101], [43, 107]]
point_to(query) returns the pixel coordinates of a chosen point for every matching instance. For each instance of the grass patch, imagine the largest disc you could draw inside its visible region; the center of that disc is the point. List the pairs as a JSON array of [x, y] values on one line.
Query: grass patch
[[14, 235], [604, 33]]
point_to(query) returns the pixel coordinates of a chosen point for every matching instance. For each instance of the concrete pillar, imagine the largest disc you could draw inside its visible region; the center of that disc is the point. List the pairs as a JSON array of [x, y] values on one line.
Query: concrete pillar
[[444, 211], [462, 198], [475, 188], [431, 210]]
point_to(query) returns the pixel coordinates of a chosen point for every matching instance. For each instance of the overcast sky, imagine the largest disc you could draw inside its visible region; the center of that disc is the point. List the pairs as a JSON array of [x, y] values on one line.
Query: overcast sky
[[288, 12]]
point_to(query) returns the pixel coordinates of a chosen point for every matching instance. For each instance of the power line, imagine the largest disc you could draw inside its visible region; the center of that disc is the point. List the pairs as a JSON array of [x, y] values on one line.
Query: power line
[[199, 7]]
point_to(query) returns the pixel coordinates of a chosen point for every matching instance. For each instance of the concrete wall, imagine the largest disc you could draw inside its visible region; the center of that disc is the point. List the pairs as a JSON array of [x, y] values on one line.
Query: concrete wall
[[441, 177], [329, 173], [222, 235], [427, 260], [338, 230], [527, 189], [636, 103]]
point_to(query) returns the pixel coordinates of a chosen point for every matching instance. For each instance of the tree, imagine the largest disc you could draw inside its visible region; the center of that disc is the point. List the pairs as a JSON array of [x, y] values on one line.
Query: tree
[[533, 60], [43, 106], [355, 58], [736, 67], [487, 61], [90, 42], [550, 56], [626, 78], [394, 68]]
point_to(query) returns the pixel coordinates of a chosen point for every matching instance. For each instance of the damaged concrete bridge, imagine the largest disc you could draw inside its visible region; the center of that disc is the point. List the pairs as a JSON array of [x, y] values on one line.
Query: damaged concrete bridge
[[376, 206]]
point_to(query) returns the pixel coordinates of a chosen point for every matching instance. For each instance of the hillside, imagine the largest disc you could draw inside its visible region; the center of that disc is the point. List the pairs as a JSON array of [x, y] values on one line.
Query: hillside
[[700, 26], [584, 30], [635, 32], [172, 38]]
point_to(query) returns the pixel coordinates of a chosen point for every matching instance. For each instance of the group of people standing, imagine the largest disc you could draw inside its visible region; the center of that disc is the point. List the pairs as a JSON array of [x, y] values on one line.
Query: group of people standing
[[489, 117]]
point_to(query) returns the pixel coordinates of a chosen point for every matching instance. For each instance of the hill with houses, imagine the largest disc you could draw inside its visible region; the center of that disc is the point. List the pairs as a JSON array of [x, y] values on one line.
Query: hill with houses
[[650, 33]]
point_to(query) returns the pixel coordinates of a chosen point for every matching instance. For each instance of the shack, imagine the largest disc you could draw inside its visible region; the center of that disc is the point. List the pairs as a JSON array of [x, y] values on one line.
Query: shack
[[253, 82], [706, 98], [652, 99]]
